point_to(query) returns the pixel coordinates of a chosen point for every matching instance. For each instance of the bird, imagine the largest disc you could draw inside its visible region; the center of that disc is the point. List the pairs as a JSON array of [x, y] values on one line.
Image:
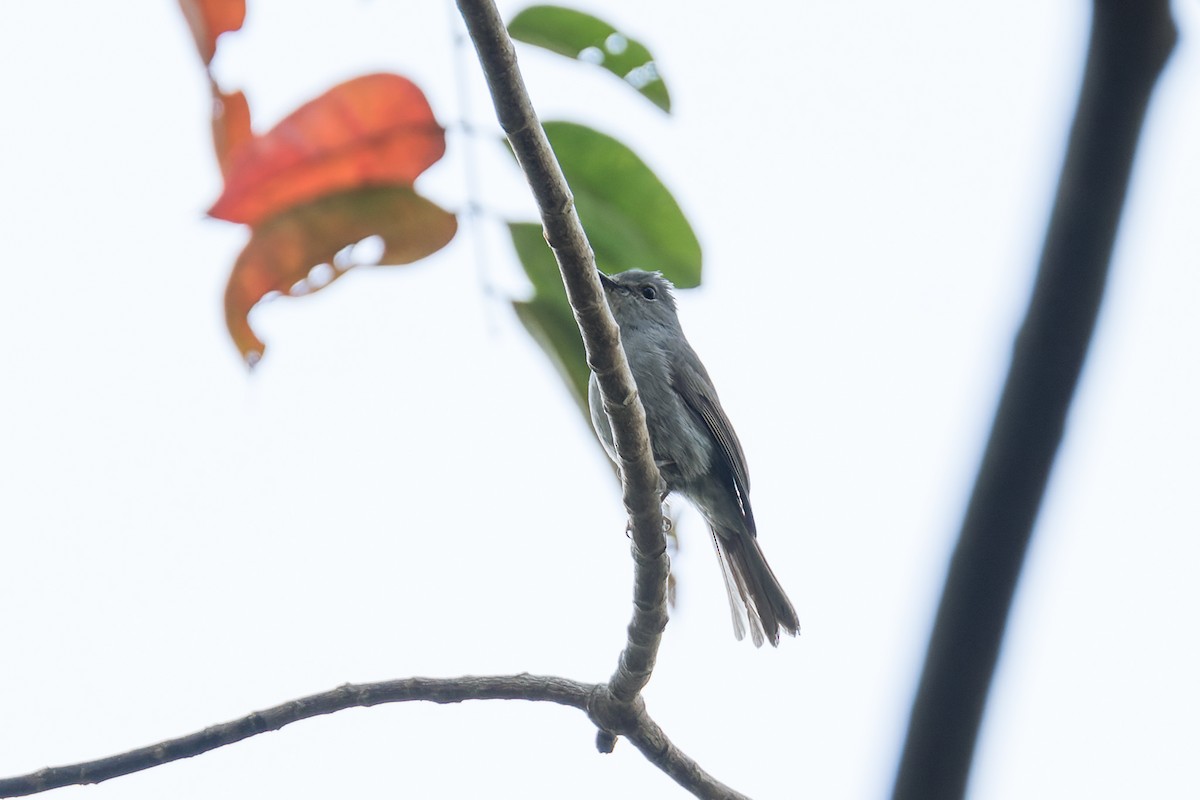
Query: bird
[[695, 447]]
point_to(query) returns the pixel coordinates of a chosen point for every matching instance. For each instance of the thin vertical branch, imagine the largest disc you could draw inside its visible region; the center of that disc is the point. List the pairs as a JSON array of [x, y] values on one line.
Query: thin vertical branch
[[601, 337], [1130, 43], [616, 707]]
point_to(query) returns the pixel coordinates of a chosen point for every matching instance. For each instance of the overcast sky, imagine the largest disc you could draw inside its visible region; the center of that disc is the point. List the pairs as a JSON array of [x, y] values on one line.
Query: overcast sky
[[403, 487]]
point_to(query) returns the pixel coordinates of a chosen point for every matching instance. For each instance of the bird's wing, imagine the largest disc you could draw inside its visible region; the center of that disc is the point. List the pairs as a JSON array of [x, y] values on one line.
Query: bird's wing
[[692, 383]]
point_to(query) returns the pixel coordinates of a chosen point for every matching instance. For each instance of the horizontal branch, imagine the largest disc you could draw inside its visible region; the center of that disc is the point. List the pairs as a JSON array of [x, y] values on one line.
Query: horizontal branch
[[541, 688], [592, 698]]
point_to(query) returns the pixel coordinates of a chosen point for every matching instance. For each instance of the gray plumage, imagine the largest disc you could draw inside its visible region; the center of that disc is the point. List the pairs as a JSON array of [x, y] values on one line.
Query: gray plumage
[[695, 447]]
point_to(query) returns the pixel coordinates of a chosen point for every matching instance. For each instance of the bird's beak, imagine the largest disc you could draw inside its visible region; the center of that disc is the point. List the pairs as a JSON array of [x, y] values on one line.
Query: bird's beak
[[608, 283]]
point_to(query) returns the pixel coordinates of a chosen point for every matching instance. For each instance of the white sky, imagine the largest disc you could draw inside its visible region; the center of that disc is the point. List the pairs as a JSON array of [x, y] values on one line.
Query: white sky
[[403, 487]]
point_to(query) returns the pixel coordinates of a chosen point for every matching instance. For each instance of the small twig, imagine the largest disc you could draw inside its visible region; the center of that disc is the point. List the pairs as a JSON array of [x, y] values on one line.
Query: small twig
[[1130, 43], [473, 210], [433, 690]]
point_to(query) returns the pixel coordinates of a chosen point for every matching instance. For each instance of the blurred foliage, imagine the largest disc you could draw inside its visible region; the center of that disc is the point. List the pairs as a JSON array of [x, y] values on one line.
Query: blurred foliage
[[342, 167], [581, 36], [295, 252]]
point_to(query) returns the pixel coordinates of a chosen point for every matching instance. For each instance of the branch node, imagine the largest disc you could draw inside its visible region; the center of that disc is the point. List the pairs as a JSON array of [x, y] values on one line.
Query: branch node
[[613, 716]]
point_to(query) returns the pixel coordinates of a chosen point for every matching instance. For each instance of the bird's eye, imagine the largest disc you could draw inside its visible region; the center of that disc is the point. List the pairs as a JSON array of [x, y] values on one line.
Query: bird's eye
[[649, 293]]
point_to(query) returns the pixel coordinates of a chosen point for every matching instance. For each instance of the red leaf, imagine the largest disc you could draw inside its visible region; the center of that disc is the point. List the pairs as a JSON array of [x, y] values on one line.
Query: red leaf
[[231, 125], [282, 252], [208, 19], [369, 131]]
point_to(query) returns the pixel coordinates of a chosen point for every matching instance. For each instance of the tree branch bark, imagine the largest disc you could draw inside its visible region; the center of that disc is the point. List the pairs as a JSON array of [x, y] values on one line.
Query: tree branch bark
[[601, 337], [592, 698], [433, 690], [648, 738], [1130, 42]]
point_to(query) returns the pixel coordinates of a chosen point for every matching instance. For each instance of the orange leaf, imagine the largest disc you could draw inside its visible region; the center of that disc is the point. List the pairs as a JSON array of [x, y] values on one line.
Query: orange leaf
[[231, 125], [283, 251], [208, 19], [369, 131]]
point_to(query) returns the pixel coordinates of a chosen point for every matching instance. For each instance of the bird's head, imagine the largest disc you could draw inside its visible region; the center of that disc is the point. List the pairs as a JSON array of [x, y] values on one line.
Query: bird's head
[[639, 298]]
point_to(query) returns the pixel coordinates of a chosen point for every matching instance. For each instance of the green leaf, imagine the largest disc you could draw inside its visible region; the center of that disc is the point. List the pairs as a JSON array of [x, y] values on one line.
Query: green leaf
[[585, 38], [552, 325], [631, 219], [547, 315], [537, 258]]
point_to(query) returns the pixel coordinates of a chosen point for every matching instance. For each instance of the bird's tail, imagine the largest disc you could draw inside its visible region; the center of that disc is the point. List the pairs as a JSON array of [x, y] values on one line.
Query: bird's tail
[[754, 591]]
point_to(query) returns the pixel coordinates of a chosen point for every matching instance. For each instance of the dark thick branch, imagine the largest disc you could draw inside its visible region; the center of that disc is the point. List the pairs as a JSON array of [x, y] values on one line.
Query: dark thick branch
[[1130, 43], [433, 690], [601, 337]]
